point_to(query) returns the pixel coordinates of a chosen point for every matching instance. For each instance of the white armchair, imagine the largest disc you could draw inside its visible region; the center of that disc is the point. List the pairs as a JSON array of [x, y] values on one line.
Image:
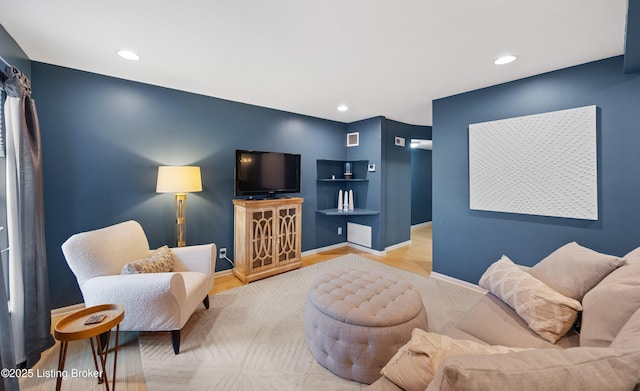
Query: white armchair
[[152, 301]]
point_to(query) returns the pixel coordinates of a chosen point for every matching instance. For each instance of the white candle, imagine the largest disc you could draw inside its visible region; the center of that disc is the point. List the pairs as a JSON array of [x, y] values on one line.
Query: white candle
[[351, 206]]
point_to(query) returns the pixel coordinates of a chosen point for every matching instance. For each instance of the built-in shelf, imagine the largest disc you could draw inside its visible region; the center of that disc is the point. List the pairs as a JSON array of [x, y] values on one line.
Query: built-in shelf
[[342, 180], [327, 188], [340, 161], [355, 212]]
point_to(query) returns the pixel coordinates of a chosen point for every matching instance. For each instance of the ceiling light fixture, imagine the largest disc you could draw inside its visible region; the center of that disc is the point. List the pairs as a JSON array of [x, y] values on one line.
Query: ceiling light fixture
[[129, 55], [505, 60], [343, 108]]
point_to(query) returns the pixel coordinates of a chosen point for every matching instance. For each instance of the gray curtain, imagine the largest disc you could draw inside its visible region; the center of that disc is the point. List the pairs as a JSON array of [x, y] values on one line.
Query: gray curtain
[[26, 217], [7, 355]]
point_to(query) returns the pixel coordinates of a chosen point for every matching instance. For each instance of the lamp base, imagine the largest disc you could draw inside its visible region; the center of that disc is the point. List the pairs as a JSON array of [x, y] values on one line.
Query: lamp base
[[181, 219]]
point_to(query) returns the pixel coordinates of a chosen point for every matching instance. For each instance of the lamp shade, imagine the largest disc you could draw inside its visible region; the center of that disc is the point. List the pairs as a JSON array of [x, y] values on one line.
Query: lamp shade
[[179, 179]]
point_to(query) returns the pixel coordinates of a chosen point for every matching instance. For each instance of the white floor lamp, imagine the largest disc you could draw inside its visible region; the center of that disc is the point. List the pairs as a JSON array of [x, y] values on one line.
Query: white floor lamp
[[179, 180]]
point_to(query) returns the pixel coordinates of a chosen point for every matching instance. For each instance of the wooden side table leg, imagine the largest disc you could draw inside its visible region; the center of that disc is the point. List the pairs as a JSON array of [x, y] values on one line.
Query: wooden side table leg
[[102, 352], [62, 357], [115, 359], [95, 361]]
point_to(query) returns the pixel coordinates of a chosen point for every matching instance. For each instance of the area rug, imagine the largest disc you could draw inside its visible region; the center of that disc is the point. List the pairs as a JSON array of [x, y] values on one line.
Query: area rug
[[252, 337]]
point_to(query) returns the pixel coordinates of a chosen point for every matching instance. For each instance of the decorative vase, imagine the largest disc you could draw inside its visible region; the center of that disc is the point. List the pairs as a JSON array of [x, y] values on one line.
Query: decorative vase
[[347, 171]]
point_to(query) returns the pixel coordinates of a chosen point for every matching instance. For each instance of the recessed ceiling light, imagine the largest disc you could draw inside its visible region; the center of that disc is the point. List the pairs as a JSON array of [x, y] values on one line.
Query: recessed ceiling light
[[129, 55], [505, 60], [343, 108]]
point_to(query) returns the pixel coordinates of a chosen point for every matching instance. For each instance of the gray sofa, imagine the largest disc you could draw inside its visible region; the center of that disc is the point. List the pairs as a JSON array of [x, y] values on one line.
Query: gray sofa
[[603, 354]]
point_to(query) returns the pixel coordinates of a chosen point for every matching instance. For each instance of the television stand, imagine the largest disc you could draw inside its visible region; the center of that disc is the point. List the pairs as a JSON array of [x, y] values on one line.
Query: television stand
[[267, 237], [267, 197]]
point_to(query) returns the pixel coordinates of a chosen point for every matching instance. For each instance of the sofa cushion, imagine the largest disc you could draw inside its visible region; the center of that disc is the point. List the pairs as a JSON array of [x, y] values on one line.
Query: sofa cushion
[[415, 363], [459, 334], [629, 337], [547, 312], [609, 305], [159, 261], [573, 270], [574, 369], [494, 322]]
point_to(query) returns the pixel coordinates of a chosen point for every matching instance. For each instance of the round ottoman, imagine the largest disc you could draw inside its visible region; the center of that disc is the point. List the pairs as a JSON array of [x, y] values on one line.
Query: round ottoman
[[356, 320]]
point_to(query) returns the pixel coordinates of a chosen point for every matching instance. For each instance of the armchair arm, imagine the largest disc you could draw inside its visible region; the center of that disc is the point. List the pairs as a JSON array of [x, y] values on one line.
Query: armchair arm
[[201, 258], [152, 301]]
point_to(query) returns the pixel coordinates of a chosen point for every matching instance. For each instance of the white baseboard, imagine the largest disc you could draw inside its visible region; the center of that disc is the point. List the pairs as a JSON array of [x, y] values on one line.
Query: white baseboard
[[323, 249], [420, 225], [458, 282], [398, 245], [344, 244], [366, 249], [223, 273]]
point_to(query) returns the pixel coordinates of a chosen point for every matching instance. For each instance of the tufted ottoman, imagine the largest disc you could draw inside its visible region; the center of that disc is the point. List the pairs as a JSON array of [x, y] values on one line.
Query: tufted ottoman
[[356, 320]]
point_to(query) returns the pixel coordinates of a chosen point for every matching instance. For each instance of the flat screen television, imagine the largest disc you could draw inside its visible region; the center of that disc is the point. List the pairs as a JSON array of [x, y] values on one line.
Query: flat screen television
[[266, 173]]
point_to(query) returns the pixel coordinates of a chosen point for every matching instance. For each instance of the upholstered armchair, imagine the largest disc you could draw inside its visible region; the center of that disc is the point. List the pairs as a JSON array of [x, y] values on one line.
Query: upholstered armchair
[[161, 301]]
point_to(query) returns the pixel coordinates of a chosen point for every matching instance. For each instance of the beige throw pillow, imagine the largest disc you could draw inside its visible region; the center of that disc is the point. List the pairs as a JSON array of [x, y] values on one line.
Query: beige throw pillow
[[415, 363], [160, 260], [409, 371], [609, 305], [573, 270], [547, 312]]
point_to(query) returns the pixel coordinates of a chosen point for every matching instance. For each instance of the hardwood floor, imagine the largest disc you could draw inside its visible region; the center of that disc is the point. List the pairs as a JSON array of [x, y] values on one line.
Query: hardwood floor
[[415, 258]]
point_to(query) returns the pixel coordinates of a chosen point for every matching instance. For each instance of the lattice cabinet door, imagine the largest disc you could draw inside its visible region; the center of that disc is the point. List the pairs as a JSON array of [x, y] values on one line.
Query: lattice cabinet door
[[263, 235], [288, 239], [267, 237]]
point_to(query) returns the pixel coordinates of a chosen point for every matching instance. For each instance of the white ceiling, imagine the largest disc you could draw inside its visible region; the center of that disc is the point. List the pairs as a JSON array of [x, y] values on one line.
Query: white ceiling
[[380, 57]]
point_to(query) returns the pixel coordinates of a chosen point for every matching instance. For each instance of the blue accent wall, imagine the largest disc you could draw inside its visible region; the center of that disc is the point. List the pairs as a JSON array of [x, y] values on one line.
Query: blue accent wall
[[421, 184], [103, 139], [466, 242], [369, 148], [399, 182], [389, 187]]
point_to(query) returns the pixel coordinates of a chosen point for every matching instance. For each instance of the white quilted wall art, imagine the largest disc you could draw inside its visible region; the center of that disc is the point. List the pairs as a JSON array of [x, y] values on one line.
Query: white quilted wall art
[[543, 164]]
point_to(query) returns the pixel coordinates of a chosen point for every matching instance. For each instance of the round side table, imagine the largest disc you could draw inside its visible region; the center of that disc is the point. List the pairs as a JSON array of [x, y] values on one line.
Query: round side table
[[72, 328]]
